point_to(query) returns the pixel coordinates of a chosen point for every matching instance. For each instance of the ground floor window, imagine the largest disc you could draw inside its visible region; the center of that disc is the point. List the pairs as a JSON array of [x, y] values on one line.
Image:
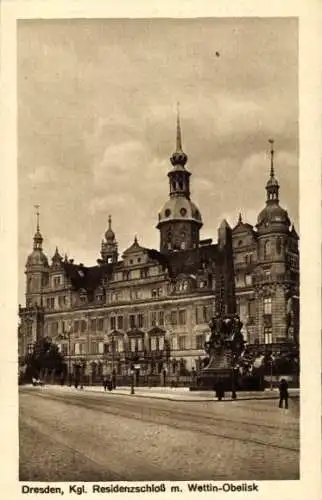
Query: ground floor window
[[268, 335]]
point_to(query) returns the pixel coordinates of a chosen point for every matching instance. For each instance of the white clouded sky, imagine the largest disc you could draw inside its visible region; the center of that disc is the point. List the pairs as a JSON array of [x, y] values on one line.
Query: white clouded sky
[[96, 124]]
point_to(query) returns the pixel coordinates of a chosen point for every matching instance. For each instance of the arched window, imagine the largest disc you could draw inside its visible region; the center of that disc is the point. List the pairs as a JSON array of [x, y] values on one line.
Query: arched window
[[279, 245], [267, 249]]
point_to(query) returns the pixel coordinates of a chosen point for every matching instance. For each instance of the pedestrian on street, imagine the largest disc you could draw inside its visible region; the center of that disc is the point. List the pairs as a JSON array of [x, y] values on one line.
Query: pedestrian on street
[[219, 389], [105, 383], [114, 379], [283, 388]]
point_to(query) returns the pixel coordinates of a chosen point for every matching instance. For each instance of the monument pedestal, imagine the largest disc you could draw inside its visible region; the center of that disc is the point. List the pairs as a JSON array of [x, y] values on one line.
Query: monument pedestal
[[218, 369]]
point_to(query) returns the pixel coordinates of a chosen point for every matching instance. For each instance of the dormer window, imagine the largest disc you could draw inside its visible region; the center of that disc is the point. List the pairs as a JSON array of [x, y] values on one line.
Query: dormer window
[[56, 281]]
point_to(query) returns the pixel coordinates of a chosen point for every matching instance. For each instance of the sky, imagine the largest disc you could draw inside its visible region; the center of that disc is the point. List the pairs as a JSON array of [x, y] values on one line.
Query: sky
[[97, 106]]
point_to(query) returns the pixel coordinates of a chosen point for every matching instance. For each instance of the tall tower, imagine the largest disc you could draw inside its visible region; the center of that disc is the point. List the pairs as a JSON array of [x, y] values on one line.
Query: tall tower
[[109, 251], [273, 282], [179, 219], [37, 272], [36, 269]]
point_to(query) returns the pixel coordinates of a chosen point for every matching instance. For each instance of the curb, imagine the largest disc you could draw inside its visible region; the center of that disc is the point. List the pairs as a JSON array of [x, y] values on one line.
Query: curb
[[189, 400], [201, 400]]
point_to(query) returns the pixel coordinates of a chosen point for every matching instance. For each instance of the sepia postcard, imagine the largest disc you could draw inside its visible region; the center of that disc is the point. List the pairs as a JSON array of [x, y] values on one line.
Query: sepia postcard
[[161, 245]]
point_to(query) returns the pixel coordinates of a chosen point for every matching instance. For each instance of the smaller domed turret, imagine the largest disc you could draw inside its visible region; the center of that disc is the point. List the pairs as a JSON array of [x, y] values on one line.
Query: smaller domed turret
[[110, 235], [273, 216], [109, 251], [37, 257]]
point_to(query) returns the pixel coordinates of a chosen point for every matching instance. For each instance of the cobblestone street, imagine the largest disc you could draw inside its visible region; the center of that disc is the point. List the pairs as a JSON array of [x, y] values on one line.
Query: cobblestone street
[[69, 435]]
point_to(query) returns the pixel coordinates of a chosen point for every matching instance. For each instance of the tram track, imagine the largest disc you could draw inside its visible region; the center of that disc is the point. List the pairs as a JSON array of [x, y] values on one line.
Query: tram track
[[206, 423]]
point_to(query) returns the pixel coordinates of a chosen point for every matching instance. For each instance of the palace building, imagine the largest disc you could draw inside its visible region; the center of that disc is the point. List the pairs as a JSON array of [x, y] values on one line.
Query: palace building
[[153, 307]]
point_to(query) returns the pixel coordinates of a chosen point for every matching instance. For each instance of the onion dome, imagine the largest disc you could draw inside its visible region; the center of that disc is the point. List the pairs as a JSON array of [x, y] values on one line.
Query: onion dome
[[110, 235]]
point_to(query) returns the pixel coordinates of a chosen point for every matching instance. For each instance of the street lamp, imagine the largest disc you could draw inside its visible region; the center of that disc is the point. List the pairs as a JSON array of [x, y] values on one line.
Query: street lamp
[[66, 336], [271, 372], [113, 347], [132, 381]]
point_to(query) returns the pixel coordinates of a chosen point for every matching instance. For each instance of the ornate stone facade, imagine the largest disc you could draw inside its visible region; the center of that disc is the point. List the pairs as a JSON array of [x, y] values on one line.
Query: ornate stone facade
[[152, 308]]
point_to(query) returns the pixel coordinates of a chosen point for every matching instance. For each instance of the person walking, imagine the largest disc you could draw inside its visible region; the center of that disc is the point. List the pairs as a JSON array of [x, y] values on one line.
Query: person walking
[[219, 389], [283, 388], [105, 383]]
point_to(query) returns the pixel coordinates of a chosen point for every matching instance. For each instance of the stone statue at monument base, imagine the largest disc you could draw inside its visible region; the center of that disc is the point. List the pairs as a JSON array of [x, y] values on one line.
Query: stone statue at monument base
[[224, 347]]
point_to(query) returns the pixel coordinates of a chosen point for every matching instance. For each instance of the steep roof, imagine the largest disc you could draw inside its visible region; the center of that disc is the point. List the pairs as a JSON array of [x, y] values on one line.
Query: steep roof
[[88, 278], [185, 261]]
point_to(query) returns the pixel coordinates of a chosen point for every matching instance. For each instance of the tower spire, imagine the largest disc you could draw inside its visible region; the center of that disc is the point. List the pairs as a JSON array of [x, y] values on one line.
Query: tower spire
[[272, 185], [178, 158], [37, 215], [110, 222], [37, 238], [179, 140], [272, 173]]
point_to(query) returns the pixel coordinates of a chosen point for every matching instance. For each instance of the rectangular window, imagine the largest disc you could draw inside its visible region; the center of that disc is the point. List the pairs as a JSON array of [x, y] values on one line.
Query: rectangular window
[[94, 348], [161, 343], [101, 348], [48, 303], [140, 320], [135, 274], [200, 341], [133, 345], [268, 305], [132, 320], [205, 314], [161, 318], [248, 280], [120, 322], [93, 325], [154, 293], [105, 348], [174, 318], [251, 311], [100, 324], [174, 343], [56, 281], [54, 328], [268, 336], [52, 303], [182, 343], [64, 349], [113, 323], [182, 317], [76, 326], [83, 325], [153, 318], [153, 343], [144, 273], [77, 348], [198, 321]]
